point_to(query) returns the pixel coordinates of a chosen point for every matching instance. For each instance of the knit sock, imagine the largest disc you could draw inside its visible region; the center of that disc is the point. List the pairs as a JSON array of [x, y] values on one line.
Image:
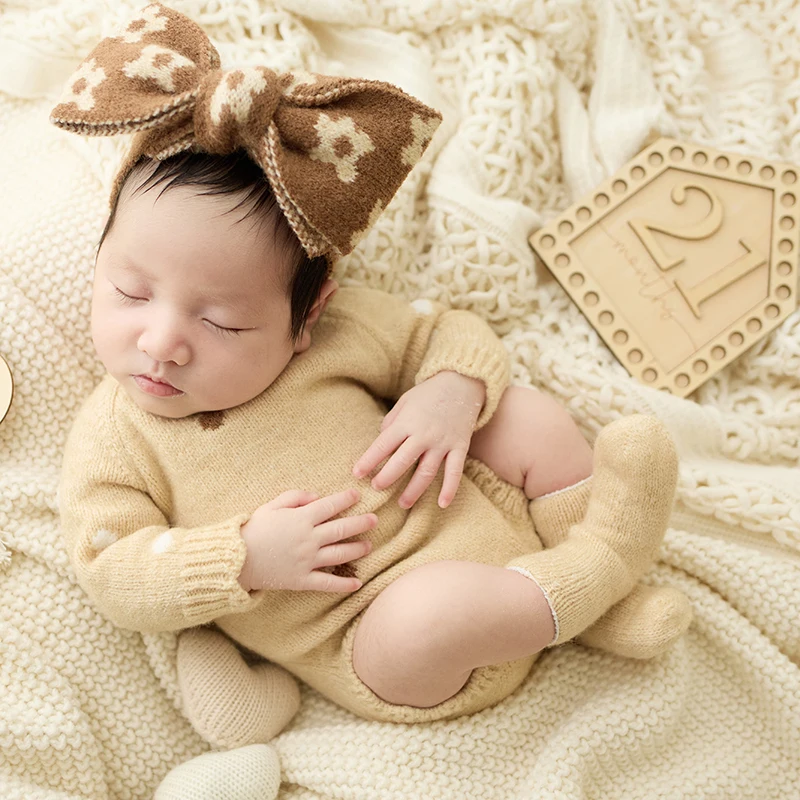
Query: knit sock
[[646, 622], [229, 703], [247, 773], [604, 555]]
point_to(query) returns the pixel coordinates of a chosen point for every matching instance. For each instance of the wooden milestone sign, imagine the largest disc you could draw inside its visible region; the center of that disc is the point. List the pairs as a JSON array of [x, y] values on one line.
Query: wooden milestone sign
[[682, 260]]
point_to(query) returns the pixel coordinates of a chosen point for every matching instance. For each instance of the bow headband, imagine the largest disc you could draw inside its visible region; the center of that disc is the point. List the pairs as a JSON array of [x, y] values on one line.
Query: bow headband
[[334, 150]]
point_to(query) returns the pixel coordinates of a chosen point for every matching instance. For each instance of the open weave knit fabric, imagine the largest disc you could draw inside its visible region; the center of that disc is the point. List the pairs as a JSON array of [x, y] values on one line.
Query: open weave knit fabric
[[542, 99]]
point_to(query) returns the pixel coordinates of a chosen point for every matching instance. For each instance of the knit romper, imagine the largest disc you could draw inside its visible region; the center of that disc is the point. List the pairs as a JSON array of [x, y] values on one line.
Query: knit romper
[[151, 507]]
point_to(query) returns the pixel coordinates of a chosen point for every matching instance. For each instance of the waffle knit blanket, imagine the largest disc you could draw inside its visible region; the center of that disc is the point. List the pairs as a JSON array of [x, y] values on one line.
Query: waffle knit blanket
[[541, 99]]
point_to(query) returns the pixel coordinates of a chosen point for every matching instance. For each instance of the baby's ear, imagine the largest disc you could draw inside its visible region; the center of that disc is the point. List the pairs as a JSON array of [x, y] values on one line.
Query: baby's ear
[[328, 290]]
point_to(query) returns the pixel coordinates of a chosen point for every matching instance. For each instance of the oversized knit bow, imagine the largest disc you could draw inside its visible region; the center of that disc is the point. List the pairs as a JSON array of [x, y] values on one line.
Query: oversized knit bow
[[335, 150]]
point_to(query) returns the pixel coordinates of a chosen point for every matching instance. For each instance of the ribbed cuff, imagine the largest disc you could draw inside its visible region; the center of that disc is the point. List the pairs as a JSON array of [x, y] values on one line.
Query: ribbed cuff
[[471, 350], [527, 574], [213, 557]]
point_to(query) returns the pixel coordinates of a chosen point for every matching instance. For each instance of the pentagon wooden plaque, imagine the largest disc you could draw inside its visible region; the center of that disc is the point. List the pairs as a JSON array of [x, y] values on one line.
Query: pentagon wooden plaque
[[682, 260]]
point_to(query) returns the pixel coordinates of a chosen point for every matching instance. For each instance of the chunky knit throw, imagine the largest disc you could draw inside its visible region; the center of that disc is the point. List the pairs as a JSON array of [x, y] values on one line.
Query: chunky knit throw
[[541, 101]]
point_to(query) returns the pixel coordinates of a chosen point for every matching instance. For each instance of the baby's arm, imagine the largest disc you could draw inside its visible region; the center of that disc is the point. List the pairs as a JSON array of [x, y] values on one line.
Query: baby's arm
[[400, 344], [138, 571], [448, 371]]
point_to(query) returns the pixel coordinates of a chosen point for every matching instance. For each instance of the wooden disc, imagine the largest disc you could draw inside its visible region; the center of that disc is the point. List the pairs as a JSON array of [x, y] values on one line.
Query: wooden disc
[[6, 388]]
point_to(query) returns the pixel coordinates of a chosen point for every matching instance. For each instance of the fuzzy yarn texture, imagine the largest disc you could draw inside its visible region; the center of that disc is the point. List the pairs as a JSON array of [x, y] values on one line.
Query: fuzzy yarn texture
[[541, 100], [286, 122]]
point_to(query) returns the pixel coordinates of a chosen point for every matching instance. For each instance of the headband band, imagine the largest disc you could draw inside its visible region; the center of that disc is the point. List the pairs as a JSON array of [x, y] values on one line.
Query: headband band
[[334, 150]]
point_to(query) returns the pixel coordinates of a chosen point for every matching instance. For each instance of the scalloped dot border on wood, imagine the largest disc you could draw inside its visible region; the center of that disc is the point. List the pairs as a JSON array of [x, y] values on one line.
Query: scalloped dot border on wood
[[555, 244]]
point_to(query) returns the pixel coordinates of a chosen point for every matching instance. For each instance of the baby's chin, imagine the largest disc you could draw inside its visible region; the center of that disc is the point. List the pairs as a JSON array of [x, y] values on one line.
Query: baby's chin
[[162, 406]]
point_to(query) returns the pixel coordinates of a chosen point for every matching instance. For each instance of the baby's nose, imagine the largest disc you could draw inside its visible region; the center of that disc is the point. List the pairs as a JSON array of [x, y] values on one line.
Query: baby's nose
[[163, 340]]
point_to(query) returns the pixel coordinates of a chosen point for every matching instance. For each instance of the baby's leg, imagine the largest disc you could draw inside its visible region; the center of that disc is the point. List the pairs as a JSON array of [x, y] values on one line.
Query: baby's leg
[[230, 703], [533, 443], [604, 555], [645, 623], [422, 636], [420, 639]]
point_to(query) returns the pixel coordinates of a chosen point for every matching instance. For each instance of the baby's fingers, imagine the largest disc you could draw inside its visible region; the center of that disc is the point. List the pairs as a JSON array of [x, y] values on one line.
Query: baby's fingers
[[426, 471], [294, 498], [325, 582], [387, 442], [341, 553], [344, 528], [333, 504], [453, 468]]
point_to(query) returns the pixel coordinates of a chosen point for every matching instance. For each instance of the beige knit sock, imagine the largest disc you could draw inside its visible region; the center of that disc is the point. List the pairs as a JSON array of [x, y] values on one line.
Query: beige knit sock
[[646, 622], [247, 773], [229, 703], [604, 555]]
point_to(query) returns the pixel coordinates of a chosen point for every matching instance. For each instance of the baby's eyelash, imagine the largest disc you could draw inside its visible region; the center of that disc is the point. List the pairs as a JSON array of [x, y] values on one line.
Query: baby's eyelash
[[225, 331], [126, 298]]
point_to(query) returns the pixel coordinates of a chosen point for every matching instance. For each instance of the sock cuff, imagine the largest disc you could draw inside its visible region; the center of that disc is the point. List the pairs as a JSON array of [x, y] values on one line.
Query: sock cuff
[[523, 571]]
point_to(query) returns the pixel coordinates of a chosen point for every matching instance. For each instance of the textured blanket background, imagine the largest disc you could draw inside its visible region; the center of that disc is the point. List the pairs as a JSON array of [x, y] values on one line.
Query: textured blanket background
[[542, 100]]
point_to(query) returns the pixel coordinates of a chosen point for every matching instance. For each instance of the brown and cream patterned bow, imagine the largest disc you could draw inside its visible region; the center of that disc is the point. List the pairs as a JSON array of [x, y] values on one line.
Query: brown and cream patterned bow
[[335, 150]]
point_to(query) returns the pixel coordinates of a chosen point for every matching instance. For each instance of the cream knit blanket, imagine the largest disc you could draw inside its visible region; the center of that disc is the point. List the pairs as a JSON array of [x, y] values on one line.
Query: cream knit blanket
[[542, 100]]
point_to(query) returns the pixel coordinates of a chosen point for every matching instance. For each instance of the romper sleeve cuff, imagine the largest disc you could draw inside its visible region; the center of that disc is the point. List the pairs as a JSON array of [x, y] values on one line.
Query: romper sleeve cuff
[[212, 561]]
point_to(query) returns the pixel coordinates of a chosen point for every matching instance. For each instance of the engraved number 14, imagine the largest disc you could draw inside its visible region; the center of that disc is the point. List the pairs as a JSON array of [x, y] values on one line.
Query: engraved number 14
[[695, 295]]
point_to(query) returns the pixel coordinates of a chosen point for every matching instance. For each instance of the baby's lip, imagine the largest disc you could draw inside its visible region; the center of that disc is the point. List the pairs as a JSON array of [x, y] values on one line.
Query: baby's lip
[[157, 388], [156, 380]]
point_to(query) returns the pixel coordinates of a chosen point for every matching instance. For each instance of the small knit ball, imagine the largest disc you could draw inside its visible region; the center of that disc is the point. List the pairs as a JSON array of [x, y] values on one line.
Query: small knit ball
[[246, 773]]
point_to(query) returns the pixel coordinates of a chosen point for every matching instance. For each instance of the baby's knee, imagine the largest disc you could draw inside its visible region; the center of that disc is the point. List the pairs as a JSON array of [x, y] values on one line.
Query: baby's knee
[[400, 646], [397, 627]]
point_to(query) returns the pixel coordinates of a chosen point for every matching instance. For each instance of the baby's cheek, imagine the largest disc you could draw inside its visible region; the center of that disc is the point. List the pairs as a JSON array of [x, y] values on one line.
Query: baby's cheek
[[99, 333], [108, 333]]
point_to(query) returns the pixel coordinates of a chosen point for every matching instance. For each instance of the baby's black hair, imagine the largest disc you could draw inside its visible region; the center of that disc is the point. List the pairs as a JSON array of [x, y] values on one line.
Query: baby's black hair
[[232, 174]]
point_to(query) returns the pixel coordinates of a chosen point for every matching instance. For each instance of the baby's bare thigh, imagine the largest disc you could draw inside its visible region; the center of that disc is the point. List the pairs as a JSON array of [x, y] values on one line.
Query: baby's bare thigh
[[420, 639], [532, 442]]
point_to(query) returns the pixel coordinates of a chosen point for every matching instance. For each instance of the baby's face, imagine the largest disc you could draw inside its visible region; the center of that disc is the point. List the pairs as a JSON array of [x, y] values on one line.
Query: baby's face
[[195, 274]]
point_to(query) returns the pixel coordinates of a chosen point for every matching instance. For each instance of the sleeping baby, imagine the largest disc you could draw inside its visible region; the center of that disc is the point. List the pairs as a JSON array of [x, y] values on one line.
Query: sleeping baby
[[319, 481]]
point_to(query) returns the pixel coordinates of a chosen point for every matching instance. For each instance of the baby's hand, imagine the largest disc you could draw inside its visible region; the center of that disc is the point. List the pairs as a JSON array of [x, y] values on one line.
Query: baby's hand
[[288, 539], [435, 419]]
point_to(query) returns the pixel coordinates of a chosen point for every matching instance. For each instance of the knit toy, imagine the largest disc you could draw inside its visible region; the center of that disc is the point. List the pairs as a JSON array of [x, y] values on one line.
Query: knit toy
[[335, 151]]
